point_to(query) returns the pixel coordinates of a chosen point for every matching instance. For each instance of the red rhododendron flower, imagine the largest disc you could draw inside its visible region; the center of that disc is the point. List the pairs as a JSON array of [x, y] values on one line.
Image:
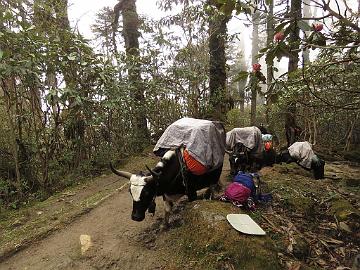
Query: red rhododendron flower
[[318, 27], [279, 36], [256, 67]]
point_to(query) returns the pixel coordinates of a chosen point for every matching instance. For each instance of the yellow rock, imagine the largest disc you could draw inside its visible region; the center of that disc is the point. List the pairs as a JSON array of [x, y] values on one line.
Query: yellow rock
[[85, 242]]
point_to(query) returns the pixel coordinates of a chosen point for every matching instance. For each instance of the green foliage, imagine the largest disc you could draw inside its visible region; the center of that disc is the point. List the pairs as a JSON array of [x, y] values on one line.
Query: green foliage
[[242, 75], [235, 118], [316, 38], [70, 110], [304, 26], [228, 6], [321, 100]]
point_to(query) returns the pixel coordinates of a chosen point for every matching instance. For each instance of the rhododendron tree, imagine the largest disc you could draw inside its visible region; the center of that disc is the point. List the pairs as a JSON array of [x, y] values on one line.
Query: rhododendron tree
[[256, 67], [318, 27], [279, 36]]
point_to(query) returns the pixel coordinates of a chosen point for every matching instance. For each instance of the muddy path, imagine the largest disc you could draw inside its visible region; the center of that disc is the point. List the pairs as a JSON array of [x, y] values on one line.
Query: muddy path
[[117, 242]]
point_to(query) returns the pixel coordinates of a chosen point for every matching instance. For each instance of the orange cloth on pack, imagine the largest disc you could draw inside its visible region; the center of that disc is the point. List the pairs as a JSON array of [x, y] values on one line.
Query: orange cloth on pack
[[193, 165]]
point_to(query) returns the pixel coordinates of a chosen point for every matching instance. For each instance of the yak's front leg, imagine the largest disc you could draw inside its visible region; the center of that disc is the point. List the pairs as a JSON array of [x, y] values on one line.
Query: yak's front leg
[[168, 204]]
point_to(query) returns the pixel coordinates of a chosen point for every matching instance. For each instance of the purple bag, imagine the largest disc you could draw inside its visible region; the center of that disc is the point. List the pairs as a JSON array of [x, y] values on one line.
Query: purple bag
[[237, 192]]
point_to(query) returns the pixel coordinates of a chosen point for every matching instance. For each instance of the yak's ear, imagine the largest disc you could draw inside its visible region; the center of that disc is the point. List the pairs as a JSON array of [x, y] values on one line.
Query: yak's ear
[[153, 173], [149, 179]]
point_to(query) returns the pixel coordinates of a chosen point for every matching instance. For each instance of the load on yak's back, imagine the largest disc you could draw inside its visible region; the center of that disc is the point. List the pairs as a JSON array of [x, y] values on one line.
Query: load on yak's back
[[202, 141], [249, 148], [192, 154]]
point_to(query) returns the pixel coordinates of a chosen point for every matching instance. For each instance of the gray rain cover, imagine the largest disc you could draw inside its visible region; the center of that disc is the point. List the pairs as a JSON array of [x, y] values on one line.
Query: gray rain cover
[[248, 136], [204, 139], [302, 152]]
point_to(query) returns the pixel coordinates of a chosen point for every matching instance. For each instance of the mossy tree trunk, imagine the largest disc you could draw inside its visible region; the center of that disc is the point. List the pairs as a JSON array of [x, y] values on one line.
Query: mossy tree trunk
[[269, 73], [131, 36], [254, 53], [309, 112], [292, 130], [8, 93], [242, 83], [217, 62]]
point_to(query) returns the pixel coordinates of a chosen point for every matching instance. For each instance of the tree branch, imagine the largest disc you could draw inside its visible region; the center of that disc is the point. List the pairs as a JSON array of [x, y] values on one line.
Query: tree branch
[[340, 17]]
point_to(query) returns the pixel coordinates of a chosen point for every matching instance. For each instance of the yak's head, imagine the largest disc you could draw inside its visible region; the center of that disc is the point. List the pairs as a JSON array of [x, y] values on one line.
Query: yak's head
[[238, 158], [284, 156], [144, 187], [317, 165]]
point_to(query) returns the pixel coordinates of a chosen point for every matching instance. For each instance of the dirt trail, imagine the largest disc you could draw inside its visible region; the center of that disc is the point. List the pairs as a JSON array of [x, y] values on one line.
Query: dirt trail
[[117, 241], [114, 236], [114, 242]]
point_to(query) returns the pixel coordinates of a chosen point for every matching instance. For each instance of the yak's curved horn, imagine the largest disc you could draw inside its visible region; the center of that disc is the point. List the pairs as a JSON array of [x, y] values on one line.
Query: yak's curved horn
[[120, 173], [149, 179], [153, 173]]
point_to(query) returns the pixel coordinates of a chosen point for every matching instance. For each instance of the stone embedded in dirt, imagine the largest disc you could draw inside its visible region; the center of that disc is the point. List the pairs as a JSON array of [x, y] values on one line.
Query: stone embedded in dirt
[[68, 194], [343, 226], [212, 217], [85, 242]]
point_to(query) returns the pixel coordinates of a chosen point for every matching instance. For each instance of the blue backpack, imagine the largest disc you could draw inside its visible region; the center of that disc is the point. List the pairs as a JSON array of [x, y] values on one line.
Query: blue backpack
[[247, 179]]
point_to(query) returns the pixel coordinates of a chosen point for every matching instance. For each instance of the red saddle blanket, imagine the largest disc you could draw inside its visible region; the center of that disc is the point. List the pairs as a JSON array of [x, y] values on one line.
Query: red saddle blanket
[[194, 166]]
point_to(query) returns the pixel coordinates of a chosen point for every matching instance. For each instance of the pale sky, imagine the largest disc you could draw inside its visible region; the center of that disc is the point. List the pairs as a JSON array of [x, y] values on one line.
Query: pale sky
[[82, 12]]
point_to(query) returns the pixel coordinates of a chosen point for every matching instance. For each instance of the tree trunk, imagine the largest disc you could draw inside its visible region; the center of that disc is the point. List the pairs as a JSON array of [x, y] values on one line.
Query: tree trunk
[[8, 87], [241, 87], [358, 12], [254, 52], [217, 84], [131, 36], [351, 133], [51, 20], [308, 120], [307, 14], [269, 67], [242, 83], [292, 130]]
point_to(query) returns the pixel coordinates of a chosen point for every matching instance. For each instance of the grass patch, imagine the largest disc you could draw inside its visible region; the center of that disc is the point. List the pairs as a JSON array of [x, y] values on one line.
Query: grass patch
[[207, 241], [342, 209]]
